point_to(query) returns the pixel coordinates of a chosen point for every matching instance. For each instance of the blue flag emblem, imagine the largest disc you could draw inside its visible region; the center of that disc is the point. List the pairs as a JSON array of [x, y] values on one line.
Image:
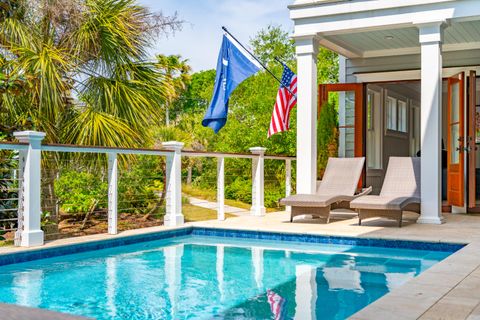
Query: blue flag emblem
[[233, 66]]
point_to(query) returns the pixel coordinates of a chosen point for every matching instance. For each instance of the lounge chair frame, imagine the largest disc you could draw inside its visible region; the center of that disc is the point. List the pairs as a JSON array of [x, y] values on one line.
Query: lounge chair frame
[[401, 186], [336, 190]]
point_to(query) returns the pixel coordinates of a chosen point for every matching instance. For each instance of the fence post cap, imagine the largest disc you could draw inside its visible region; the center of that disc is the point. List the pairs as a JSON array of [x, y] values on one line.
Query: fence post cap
[[258, 150], [173, 145], [27, 136]]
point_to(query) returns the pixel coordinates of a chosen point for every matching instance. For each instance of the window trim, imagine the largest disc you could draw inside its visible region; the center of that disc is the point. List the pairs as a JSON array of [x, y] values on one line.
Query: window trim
[[396, 132]]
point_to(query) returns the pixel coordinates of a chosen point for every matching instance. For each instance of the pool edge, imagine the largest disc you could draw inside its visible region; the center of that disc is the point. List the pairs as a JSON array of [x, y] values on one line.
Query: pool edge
[[37, 253]]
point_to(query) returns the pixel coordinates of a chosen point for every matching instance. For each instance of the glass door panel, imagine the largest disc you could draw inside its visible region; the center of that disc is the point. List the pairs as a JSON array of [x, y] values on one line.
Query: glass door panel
[[455, 146]]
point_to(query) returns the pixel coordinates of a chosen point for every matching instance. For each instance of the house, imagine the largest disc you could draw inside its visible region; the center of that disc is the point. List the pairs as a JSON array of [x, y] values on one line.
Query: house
[[408, 73]]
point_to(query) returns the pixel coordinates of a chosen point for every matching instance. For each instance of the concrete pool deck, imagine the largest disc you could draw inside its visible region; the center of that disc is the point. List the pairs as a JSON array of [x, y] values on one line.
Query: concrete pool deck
[[448, 290]]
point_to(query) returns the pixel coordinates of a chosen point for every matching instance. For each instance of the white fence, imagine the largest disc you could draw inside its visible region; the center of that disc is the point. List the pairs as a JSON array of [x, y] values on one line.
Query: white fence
[[30, 147]]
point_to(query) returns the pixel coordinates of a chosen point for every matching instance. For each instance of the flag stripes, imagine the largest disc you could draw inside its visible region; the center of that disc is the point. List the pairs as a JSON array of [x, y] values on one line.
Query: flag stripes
[[284, 103]]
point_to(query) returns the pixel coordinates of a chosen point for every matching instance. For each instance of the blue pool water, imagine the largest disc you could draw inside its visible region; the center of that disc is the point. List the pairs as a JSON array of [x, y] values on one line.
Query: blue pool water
[[205, 277]]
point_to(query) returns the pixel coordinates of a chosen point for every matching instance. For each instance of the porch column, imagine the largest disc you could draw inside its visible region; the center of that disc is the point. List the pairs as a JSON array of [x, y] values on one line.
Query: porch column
[[307, 50], [431, 36]]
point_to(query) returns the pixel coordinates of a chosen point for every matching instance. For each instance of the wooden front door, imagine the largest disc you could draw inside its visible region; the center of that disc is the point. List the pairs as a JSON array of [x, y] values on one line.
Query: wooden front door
[[354, 99], [471, 138], [455, 141]]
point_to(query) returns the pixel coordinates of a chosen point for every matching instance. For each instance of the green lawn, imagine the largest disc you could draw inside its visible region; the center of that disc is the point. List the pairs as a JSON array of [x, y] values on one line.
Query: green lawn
[[194, 213], [211, 195]]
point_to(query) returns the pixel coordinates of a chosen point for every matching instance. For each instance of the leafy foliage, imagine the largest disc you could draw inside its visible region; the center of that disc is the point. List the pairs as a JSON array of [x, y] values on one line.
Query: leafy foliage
[[79, 190]]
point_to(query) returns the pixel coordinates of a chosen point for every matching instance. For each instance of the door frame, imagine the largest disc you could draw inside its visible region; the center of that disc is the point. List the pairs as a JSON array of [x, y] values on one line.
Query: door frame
[[360, 118], [456, 171], [471, 139]]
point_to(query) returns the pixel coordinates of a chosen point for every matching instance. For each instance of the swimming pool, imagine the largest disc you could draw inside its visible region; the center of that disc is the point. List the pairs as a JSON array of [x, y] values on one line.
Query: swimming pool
[[205, 274]]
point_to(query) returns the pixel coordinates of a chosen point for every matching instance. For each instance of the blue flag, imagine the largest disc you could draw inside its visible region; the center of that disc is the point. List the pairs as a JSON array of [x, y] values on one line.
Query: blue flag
[[233, 66]]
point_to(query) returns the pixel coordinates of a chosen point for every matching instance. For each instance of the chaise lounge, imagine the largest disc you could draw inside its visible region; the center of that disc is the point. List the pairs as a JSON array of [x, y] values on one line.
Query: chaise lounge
[[400, 192], [336, 190]]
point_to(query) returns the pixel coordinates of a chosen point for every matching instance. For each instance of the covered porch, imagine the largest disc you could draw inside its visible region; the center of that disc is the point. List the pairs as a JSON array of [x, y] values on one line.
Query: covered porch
[[382, 43]]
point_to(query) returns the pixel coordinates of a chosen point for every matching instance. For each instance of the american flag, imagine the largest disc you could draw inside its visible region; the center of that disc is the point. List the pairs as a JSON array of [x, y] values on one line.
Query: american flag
[[284, 103]]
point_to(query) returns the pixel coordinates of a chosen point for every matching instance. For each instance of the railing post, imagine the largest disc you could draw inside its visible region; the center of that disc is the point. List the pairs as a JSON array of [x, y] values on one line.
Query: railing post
[[174, 216], [112, 193], [21, 169], [31, 233], [288, 181], [221, 188], [258, 205]]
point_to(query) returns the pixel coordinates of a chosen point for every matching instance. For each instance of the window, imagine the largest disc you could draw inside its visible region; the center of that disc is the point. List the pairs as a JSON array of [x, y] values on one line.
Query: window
[[391, 113], [397, 115], [402, 116]]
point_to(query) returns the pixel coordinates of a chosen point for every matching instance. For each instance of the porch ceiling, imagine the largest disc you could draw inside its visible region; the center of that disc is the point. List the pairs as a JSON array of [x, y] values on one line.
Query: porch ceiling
[[461, 35], [372, 28]]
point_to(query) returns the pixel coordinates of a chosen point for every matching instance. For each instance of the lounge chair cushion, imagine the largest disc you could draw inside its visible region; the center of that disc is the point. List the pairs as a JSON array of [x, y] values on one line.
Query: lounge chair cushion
[[311, 200], [339, 183], [383, 202]]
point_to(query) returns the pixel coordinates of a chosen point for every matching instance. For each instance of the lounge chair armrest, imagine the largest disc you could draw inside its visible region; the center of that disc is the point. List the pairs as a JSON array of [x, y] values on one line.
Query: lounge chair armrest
[[364, 192]]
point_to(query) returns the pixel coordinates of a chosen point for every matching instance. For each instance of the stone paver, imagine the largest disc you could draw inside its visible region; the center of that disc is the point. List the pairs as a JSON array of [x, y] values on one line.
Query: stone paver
[[14, 312]]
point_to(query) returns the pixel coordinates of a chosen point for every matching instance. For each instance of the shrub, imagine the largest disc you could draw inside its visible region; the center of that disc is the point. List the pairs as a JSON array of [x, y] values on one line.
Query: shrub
[[77, 191], [240, 189]]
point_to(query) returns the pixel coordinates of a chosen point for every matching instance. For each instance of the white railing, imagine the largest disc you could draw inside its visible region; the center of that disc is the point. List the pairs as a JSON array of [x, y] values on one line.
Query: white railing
[[30, 148]]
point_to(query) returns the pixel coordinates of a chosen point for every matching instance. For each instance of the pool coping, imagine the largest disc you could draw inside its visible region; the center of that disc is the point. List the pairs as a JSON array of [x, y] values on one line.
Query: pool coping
[[414, 299], [38, 253]]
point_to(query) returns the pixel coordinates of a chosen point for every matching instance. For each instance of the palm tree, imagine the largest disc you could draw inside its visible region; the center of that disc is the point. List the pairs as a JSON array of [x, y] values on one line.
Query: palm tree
[[177, 72], [82, 70]]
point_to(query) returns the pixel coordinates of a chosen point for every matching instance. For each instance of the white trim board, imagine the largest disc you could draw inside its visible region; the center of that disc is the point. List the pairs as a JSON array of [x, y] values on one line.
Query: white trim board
[[407, 74]]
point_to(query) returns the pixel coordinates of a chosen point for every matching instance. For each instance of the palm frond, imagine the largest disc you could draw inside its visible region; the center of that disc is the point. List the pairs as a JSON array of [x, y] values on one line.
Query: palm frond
[[93, 128]]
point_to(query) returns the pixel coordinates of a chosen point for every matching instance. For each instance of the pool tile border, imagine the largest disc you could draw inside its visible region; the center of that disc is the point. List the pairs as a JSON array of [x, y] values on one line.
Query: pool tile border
[[327, 239], [56, 251]]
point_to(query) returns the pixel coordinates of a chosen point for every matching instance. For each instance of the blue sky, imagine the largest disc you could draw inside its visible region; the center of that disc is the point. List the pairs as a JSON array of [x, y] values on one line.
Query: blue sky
[[199, 40]]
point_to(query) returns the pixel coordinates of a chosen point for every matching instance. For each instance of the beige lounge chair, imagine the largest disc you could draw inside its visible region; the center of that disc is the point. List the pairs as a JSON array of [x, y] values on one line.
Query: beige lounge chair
[[400, 192], [336, 190]]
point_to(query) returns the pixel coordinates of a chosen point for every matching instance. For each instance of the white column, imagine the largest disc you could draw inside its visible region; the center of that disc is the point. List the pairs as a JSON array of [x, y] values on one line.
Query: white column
[[112, 193], [31, 235], [431, 122], [258, 182], [307, 50], [305, 292], [221, 188], [174, 215], [288, 181]]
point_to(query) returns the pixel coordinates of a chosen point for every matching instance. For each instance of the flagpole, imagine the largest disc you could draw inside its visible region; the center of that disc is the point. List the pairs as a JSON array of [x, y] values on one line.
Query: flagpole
[[258, 60]]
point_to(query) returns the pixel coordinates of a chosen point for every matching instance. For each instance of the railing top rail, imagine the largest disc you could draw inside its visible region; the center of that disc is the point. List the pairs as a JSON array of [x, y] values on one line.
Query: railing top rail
[[192, 153], [7, 145], [54, 147]]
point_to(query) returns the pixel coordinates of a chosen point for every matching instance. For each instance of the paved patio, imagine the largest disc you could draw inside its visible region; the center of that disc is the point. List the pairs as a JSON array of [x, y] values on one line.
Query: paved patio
[[448, 290]]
